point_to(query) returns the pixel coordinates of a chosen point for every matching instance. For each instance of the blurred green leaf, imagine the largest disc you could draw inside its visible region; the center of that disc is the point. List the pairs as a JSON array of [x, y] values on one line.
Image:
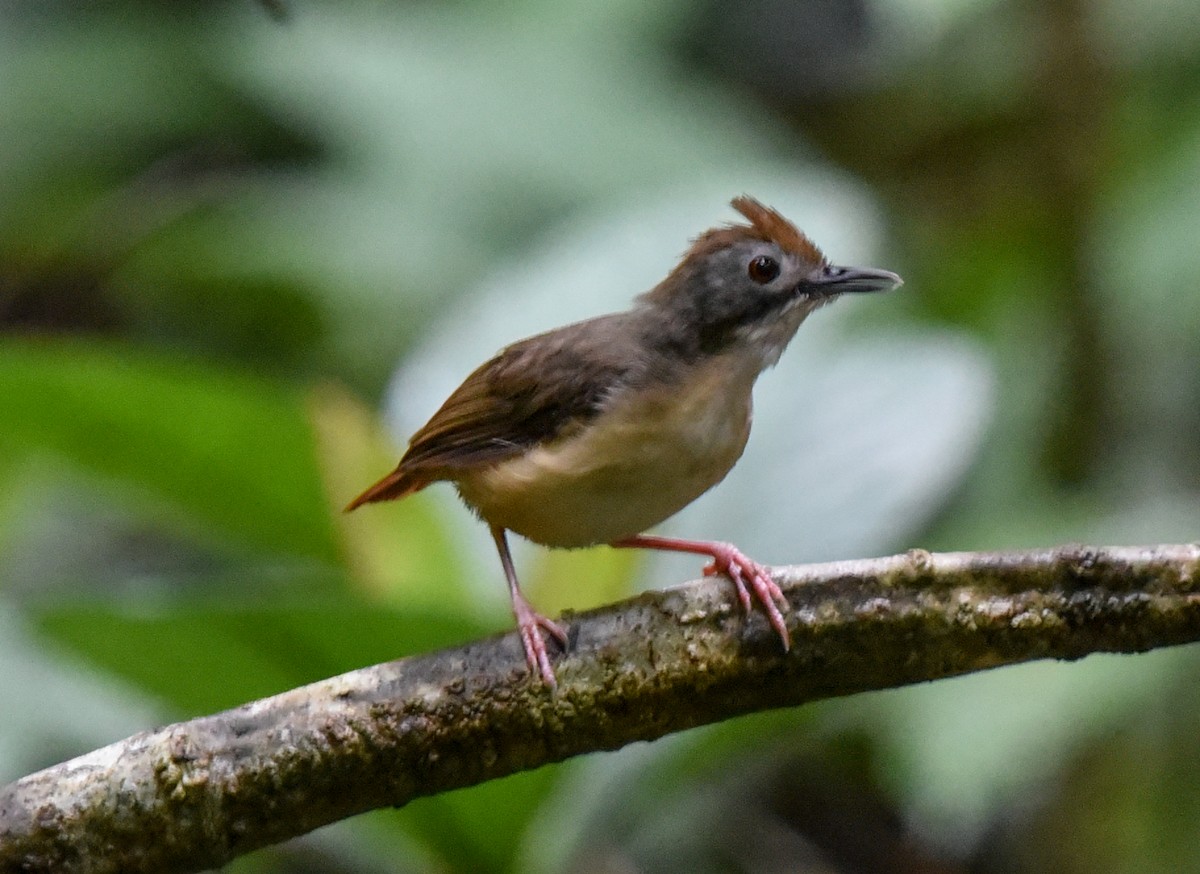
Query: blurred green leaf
[[56, 706], [234, 451], [482, 828], [652, 789], [562, 579], [203, 657], [965, 750], [398, 549], [1124, 800], [264, 322]]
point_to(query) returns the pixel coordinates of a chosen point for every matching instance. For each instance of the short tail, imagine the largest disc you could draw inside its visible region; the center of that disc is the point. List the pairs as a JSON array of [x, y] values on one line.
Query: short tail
[[395, 485]]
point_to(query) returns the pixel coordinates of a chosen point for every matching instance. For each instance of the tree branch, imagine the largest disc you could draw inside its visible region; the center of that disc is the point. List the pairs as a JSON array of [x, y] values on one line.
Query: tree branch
[[196, 794]]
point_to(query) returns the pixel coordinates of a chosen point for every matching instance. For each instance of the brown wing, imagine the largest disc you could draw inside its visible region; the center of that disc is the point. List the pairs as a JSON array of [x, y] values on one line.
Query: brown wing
[[528, 394]]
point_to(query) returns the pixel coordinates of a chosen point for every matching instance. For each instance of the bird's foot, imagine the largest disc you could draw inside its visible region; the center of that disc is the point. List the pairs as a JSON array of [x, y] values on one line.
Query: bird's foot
[[752, 581], [531, 626]]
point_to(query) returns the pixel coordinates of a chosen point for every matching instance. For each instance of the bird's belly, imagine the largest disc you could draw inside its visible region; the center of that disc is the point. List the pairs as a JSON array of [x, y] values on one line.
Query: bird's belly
[[635, 465]]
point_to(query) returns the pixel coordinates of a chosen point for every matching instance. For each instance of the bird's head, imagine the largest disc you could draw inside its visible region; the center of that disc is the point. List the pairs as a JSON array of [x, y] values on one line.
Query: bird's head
[[751, 285]]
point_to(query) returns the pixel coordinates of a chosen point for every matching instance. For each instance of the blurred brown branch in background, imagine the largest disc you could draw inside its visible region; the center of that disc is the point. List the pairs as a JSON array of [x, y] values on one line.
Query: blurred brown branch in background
[[196, 794]]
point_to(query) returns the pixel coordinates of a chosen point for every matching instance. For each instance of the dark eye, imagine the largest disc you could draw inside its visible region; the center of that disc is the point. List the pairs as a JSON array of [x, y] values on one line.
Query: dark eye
[[763, 269]]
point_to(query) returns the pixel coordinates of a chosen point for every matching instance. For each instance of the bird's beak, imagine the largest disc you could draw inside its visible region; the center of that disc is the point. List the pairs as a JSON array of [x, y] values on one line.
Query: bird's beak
[[840, 280]]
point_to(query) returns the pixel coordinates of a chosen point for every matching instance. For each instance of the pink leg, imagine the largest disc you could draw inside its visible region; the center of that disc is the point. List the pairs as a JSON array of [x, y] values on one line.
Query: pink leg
[[729, 560], [530, 623]]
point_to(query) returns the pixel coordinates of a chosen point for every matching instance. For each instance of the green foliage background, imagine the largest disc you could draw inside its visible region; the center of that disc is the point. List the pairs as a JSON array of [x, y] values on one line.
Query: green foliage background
[[242, 258]]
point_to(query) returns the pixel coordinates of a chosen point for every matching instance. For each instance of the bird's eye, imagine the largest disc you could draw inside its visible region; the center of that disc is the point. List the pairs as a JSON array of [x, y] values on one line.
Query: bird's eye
[[763, 269]]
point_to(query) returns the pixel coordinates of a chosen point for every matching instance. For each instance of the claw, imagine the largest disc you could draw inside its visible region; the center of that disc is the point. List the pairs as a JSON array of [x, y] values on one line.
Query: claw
[[740, 568], [739, 583], [751, 580], [531, 625]]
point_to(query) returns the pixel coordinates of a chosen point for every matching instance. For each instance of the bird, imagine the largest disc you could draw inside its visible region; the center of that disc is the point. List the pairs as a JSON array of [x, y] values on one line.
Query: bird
[[597, 431]]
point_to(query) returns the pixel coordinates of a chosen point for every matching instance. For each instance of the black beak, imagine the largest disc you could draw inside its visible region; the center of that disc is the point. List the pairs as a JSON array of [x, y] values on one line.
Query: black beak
[[840, 280]]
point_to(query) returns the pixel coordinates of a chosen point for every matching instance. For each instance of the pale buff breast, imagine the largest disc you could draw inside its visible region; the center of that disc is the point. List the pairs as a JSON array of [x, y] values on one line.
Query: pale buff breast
[[638, 463]]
